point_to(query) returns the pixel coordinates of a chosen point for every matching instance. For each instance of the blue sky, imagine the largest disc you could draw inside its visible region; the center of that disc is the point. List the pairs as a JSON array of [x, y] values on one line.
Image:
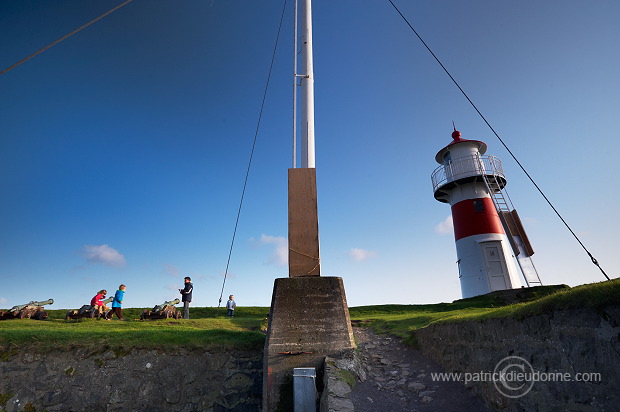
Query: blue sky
[[123, 149]]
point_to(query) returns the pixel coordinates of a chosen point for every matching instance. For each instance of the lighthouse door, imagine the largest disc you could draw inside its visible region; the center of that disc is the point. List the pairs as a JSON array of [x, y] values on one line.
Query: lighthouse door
[[495, 264]]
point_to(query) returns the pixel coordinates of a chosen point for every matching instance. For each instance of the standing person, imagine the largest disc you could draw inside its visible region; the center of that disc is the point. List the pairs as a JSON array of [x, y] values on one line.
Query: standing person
[[231, 305], [187, 296], [97, 304], [118, 302]]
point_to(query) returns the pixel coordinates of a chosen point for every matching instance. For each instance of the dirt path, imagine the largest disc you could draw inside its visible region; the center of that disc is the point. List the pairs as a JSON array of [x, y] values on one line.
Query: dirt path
[[399, 379]]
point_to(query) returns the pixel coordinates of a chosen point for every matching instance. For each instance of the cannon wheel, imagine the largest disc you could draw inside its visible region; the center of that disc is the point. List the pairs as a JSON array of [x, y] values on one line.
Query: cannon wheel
[[93, 314], [177, 315], [40, 315]]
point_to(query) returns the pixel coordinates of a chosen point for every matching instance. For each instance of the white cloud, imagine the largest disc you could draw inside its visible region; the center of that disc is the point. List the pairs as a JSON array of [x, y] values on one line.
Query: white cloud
[[359, 255], [446, 227], [171, 270], [103, 254], [3, 301], [279, 255], [228, 275]]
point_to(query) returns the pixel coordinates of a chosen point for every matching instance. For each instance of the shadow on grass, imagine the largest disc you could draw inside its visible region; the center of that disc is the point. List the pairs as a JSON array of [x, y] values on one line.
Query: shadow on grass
[[171, 337]]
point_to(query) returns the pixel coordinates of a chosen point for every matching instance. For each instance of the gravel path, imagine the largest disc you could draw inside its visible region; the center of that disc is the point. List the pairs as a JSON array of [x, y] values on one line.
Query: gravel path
[[399, 379]]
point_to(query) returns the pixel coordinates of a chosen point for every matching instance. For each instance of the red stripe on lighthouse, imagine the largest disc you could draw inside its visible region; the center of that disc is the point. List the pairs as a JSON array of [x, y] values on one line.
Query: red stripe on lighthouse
[[475, 217]]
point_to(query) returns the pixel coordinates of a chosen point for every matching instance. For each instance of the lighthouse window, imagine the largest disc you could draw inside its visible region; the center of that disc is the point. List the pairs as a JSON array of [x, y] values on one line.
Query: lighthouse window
[[447, 157], [479, 206]]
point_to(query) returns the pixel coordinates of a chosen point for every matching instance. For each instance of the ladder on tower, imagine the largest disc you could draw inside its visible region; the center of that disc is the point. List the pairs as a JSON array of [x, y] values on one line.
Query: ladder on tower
[[514, 230]]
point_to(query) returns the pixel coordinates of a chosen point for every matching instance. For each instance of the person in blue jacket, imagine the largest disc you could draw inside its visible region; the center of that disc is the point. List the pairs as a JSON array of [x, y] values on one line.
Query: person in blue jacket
[[118, 302], [187, 296], [231, 305]]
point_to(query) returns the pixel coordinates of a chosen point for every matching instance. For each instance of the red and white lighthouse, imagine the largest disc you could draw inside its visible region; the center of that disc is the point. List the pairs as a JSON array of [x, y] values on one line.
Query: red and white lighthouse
[[472, 184]]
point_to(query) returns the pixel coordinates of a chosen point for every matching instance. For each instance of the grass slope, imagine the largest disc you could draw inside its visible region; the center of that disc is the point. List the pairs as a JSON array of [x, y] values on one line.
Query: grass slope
[[401, 320], [210, 328], [205, 330]]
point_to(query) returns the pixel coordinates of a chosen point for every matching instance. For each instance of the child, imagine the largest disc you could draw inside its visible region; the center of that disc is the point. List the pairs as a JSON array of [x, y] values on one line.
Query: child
[[97, 304], [117, 303], [231, 305]]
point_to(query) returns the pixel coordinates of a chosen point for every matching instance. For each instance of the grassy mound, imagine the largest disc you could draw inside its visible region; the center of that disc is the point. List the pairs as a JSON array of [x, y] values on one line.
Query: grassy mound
[[210, 328], [401, 320], [205, 330]]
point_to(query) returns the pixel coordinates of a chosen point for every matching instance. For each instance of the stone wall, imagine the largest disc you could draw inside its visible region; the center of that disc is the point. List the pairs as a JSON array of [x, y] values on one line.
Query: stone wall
[[338, 375], [570, 342], [142, 380]]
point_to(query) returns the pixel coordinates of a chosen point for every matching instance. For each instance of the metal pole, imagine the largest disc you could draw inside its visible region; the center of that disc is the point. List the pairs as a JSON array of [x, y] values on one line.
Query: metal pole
[[307, 89], [295, 90]]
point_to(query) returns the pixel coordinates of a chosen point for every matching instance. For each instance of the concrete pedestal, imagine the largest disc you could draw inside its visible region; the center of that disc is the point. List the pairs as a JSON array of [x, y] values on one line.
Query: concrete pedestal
[[308, 314]]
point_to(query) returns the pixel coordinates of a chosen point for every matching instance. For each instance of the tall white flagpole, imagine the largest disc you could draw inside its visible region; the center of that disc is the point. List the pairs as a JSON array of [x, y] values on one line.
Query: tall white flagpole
[[307, 88], [295, 76]]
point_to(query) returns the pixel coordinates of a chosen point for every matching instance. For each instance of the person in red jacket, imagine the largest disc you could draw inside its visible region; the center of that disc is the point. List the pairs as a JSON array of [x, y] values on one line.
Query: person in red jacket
[[97, 303]]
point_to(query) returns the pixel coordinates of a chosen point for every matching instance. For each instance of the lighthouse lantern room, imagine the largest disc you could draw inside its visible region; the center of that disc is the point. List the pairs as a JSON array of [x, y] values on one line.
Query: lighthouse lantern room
[[491, 245]]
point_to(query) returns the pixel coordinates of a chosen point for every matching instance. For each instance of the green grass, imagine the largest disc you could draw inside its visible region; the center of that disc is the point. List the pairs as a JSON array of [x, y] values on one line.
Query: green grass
[[195, 312], [401, 320], [205, 330], [210, 328]]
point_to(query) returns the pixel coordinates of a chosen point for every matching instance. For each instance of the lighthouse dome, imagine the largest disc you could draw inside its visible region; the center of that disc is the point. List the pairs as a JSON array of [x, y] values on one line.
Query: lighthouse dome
[[462, 162], [460, 147]]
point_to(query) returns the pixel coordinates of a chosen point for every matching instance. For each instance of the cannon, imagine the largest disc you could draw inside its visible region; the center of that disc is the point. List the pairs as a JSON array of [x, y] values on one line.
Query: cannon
[[166, 310], [88, 311], [30, 310]]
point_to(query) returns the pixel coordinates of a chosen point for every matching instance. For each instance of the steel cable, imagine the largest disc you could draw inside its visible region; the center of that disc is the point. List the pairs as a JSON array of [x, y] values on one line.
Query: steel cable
[[247, 173], [24, 60]]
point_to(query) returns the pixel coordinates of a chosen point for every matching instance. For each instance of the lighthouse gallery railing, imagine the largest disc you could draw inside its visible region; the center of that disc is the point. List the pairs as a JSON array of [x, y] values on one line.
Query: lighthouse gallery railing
[[473, 165]]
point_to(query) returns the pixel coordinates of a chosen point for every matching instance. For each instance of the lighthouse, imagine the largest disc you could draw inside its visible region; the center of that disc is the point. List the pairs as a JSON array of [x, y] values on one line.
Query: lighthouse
[[491, 246]]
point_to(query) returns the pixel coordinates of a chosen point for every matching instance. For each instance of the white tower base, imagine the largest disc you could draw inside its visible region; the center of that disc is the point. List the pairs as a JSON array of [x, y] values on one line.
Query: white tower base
[[486, 263]]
